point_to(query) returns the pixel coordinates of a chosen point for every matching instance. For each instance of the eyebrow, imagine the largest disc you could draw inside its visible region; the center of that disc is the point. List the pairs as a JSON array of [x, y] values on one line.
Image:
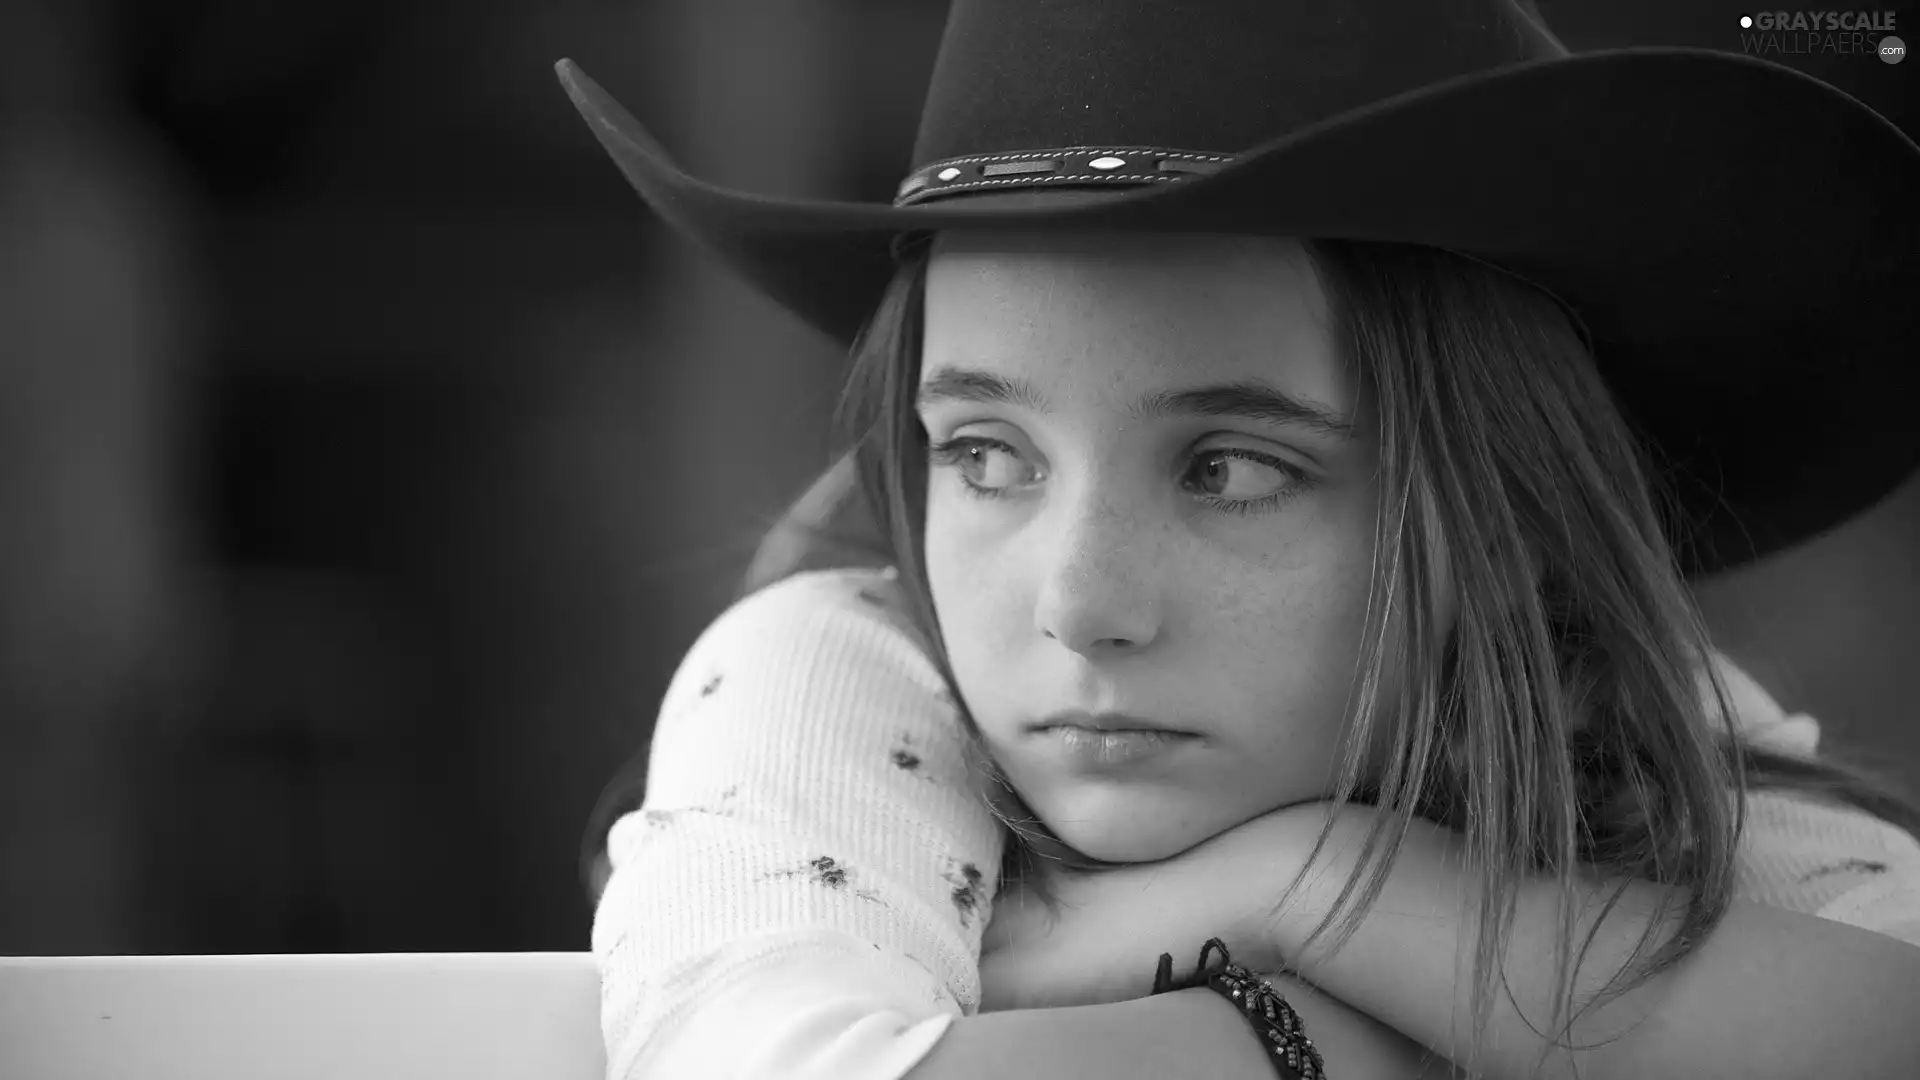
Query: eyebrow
[[1249, 399]]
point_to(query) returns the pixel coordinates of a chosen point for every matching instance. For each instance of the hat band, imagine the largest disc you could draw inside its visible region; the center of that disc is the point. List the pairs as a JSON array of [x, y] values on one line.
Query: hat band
[[1064, 165]]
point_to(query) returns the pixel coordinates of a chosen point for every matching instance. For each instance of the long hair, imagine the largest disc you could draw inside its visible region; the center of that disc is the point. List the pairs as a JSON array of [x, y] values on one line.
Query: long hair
[[1559, 727]]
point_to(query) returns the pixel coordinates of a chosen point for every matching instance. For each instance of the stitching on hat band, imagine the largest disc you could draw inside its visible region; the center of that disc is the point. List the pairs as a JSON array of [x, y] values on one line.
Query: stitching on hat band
[[1072, 164]]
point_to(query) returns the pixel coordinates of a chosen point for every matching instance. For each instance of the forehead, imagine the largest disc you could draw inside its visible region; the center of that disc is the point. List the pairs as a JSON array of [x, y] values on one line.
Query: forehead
[[1181, 270], [1161, 308]]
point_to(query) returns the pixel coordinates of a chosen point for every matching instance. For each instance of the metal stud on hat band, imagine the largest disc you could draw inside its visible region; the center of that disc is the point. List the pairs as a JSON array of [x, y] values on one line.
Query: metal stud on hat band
[[1068, 164]]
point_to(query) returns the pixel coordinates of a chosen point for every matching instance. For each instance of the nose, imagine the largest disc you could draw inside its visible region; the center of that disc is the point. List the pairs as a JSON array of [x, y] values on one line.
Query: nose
[[1097, 592]]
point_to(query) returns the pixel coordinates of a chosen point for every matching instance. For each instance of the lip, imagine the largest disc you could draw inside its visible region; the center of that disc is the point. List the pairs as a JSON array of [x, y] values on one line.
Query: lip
[[1105, 723], [1115, 746]]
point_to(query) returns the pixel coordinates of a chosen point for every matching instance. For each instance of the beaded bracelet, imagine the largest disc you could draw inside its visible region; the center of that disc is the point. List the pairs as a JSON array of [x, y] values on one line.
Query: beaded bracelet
[[1294, 1055]]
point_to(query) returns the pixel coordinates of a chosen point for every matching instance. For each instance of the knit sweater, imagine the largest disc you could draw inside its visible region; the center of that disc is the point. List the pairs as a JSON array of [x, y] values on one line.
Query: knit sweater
[[803, 892]]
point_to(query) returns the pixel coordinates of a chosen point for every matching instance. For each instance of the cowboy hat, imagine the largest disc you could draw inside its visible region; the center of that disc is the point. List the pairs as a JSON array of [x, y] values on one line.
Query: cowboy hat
[[1740, 242]]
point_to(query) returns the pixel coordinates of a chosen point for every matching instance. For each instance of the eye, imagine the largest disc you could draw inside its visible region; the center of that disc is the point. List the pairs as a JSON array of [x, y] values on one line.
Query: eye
[[1236, 476], [1229, 480], [988, 467]]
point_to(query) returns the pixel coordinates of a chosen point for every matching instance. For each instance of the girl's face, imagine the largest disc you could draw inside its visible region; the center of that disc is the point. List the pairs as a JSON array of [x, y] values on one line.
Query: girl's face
[[1151, 495]]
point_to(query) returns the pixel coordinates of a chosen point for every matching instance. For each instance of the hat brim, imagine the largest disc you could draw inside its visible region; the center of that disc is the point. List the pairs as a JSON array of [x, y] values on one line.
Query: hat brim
[[1742, 242]]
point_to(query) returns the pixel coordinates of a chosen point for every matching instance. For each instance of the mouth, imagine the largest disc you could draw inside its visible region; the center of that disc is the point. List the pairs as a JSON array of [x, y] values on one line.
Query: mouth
[[1108, 742], [1105, 724]]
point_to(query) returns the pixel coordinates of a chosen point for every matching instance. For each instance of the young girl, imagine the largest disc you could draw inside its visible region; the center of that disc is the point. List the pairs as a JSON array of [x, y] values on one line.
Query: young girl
[[1295, 559]]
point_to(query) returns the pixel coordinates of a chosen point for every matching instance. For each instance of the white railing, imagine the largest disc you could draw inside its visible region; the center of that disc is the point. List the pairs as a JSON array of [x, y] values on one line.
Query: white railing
[[417, 1016]]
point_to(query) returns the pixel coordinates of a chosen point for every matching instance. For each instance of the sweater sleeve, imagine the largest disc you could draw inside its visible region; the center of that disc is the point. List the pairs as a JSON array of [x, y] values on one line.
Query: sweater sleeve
[[1811, 854], [1815, 856], [802, 892]]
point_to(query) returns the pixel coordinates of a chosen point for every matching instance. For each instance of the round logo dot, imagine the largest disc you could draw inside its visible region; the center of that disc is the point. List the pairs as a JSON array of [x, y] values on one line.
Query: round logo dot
[[1892, 49], [1746, 22]]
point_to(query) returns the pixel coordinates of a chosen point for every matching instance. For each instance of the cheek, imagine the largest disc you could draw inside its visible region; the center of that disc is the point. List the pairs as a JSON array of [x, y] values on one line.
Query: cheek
[[1295, 647], [985, 615], [947, 565], [963, 585]]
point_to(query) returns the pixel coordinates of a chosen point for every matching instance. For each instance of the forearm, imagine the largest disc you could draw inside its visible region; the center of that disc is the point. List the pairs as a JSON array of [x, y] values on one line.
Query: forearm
[[1183, 1033], [1846, 993]]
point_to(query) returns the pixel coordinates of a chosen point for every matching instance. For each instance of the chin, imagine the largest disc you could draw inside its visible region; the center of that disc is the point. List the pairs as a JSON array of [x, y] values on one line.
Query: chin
[[1123, 845]]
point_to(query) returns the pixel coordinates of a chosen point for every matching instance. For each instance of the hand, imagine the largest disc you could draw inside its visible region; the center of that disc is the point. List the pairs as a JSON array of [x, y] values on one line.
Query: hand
[[1114, 923]]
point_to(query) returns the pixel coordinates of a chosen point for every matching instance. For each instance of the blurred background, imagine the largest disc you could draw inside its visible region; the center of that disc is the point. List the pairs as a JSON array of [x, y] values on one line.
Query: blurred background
[[369, 455]]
